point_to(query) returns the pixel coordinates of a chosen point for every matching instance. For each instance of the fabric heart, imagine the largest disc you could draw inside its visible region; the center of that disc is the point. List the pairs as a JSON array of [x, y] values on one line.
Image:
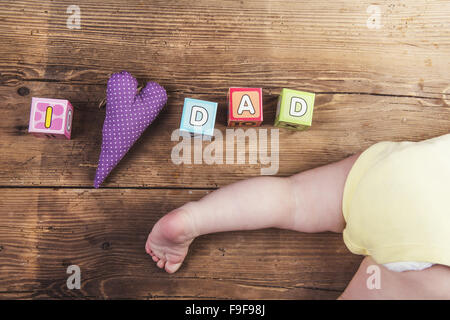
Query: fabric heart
[[128, 114]]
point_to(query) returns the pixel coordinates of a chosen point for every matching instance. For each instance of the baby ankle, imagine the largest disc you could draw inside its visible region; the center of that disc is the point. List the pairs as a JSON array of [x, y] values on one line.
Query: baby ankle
[[179, 225], [186, 217]]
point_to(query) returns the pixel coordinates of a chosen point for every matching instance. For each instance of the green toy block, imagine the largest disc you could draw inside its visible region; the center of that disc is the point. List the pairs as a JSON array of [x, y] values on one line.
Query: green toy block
[[295, 109]]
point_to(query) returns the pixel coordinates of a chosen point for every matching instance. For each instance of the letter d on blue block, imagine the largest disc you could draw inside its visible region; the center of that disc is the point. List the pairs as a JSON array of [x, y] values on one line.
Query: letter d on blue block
[[198, 117]]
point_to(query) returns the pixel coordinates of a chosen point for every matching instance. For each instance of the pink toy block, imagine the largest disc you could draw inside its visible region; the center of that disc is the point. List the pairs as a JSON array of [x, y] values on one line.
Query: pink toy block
[[51, 118]]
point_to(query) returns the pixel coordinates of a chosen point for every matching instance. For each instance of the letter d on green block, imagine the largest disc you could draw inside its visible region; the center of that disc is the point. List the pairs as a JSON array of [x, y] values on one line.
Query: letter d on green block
[[295, 109]]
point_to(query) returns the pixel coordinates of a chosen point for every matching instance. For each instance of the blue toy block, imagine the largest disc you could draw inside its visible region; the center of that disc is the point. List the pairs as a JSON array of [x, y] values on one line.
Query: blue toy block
[[198, 118]]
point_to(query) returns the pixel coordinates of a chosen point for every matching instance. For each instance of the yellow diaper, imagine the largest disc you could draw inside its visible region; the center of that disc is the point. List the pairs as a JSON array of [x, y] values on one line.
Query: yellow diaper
[[396, 202]]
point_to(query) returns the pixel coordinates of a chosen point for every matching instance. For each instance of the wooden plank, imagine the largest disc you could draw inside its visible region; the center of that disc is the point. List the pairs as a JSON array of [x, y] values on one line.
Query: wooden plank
[[206, 46], [372, 85], [43, 231], [342, 124]]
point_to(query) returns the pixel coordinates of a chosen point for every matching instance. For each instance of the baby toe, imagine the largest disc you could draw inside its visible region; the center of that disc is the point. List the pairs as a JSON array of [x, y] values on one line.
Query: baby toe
[[172, 267], [161, 263]]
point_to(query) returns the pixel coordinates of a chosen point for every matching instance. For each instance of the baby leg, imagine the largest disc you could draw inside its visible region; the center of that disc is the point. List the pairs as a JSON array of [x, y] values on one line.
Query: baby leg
[[310, 201]]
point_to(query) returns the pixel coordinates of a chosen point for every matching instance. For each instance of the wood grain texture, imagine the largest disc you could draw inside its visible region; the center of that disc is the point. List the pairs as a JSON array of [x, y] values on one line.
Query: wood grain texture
[[205, 47], [342, 124], [371, 85], [43, 231], [374, 86]]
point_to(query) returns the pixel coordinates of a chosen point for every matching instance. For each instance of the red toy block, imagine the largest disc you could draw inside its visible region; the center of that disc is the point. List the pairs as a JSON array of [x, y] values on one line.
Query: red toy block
[[245, 107]]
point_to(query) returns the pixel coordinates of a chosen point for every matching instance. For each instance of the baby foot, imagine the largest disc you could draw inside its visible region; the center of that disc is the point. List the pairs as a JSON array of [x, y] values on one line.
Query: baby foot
[[169, 240]]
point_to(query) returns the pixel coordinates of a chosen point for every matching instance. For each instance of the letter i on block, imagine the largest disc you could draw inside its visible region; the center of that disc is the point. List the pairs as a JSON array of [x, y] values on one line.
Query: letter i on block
[[245, 107], [295, 109], [198, 118], [51, 118]]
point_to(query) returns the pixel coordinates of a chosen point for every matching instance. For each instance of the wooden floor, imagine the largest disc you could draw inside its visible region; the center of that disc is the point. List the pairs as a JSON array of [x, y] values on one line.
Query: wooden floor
[[390, 83]]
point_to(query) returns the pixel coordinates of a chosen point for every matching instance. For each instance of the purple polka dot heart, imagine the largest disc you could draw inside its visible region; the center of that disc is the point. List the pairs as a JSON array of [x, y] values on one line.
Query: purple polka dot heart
[[128, 114]]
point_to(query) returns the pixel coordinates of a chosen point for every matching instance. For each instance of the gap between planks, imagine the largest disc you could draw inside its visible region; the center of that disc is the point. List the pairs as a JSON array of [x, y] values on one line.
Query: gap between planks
[[209, 93]]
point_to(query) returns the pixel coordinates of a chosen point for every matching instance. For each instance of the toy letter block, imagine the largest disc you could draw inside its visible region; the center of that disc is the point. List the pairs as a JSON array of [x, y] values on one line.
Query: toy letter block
[[295, 109], [245, 107], [51, 118], [198, 118]]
